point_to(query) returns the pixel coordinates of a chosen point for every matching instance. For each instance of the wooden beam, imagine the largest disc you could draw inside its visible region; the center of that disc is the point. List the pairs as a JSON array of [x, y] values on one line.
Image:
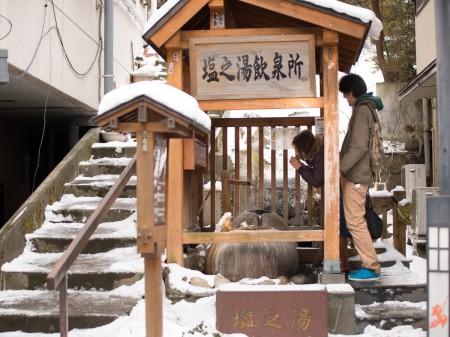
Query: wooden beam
[[177, 21], [158, 127], [253, 236], [263, 121], [216, 4], [319, 18], [193, 34], [331, 149], [262, 103], [174, 42]]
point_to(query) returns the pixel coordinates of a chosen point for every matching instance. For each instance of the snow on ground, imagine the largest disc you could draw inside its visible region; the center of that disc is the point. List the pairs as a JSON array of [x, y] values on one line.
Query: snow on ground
[[184, 319]]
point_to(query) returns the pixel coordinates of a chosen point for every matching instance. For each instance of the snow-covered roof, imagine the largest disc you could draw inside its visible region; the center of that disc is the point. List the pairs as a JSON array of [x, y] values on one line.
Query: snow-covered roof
[[165, 94], [363, 14]]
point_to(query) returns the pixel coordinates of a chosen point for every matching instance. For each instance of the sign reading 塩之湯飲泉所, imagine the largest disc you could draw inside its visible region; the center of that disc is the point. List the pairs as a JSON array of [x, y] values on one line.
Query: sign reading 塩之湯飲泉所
[[273, 66]]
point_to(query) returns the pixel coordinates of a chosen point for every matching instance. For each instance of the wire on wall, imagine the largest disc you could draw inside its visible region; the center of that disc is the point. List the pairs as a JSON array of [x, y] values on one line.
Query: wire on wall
[[55, 27], [42, 138], [38, 44], [64, 49], [10, 26], [44, 123]]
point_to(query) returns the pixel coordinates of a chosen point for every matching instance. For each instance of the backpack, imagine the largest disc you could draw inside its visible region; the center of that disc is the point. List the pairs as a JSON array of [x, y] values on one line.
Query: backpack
[[376, 145]]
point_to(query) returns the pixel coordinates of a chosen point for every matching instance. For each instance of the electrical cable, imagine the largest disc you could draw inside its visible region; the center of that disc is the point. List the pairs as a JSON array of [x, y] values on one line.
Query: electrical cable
[[38, 44], [45, 111], [10, 26], [42, 139], [64, 49]]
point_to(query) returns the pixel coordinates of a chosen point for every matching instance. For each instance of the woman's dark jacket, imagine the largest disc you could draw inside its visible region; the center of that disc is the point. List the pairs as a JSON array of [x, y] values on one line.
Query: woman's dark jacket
[[313, 174]]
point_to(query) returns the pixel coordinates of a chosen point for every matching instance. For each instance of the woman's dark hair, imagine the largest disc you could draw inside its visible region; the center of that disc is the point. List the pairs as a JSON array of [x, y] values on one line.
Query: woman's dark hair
[[354, 84], [303, 141]]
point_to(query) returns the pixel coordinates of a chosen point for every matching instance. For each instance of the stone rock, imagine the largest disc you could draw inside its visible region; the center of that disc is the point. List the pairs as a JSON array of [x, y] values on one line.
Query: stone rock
[[220, 279], [199, 282]]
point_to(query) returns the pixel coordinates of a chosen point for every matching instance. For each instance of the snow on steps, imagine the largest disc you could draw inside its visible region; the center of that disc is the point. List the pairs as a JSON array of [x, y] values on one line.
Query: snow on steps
[[38, 310], [398, 298], [103, 282]]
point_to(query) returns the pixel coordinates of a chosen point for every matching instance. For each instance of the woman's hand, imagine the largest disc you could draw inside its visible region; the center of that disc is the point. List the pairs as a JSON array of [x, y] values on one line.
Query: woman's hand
[[295, 163]]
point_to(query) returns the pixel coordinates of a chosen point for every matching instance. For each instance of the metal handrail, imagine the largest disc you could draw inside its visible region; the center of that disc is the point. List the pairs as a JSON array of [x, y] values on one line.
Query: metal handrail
[[57, 278]]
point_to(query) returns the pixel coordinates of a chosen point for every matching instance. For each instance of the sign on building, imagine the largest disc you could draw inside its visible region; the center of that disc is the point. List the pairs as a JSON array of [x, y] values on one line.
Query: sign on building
[[272, 66]]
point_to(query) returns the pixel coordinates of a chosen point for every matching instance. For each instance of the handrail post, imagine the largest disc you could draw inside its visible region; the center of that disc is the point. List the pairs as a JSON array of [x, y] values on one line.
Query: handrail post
[[63, 309]]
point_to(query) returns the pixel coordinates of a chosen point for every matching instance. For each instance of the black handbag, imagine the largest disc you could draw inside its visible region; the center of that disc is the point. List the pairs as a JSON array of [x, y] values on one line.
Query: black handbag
[[374, 222]]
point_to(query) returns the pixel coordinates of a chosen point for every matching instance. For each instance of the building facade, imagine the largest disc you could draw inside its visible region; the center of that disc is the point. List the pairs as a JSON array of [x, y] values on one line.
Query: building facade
[[55, 52]]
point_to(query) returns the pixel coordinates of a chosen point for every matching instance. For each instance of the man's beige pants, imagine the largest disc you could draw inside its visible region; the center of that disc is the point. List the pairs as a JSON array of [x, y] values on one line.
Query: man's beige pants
[[354, 198]]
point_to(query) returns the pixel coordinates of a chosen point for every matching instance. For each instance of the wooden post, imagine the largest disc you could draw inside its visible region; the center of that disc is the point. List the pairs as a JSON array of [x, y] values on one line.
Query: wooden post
[[145, 191], [175, 190], [146, 245], [153, 295], [399, 228], [175, 204], [226, 191], [331, 122]]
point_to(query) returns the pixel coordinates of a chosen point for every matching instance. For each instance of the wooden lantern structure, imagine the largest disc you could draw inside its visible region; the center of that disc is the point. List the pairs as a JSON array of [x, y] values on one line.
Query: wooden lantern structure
[[202, 40], [154, 125]]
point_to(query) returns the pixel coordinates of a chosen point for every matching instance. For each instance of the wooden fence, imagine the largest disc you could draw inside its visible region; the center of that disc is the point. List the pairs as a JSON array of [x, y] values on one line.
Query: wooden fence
[[245, 177]]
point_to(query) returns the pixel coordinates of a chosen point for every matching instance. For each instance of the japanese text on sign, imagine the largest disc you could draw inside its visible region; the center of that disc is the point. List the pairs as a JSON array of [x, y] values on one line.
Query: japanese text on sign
[[253, 67]]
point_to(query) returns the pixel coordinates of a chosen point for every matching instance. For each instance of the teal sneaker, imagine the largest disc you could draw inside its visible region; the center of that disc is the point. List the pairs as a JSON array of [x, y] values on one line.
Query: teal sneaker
[[363, 274]]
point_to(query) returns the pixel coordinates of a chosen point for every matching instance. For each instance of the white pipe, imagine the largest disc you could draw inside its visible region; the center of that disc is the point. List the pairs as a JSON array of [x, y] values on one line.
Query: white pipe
[[109, 51], [426, 136]]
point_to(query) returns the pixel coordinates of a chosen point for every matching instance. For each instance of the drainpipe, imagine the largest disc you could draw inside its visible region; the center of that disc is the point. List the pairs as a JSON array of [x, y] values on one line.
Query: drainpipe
[[109, 55], [438, 212], [426, 136], [443, 88]]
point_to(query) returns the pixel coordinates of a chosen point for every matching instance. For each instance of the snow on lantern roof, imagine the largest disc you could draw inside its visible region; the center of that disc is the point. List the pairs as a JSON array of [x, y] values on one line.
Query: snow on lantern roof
[[164, 94]]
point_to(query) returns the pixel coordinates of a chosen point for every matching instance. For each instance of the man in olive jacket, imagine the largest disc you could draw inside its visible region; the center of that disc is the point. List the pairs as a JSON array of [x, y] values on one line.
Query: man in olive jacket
[[356, 172]]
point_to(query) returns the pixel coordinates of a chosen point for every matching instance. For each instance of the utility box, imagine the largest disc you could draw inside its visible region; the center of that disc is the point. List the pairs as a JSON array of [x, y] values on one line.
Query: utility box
[[413, 175], [4, 75], [419, 209]]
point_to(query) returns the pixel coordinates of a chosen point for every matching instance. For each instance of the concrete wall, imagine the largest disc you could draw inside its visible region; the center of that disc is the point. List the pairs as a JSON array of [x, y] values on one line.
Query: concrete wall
[[33, 43], [425, 36], [31, 214], [396, 115], [393, 118]]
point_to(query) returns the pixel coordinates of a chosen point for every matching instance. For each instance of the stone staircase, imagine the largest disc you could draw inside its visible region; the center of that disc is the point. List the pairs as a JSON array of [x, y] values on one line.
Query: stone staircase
[[104, 280], [398, 298]]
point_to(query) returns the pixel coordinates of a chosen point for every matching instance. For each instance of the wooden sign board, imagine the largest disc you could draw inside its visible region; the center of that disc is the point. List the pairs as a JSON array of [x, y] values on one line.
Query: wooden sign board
[[273, 66], [159, 176], [273, 311]]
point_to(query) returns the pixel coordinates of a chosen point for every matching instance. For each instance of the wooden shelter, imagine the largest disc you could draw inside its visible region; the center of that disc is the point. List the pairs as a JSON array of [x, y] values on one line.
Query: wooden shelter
[[198, 38]]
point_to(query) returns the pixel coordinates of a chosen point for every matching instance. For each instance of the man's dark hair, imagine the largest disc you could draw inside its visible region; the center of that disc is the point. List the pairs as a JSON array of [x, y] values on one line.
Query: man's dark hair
[[303, 141], [354, 84]]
